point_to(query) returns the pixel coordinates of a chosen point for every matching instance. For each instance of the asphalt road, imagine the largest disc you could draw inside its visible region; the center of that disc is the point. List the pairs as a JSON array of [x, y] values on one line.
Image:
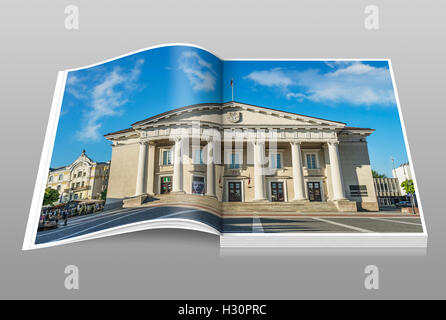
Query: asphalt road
[[78, 226]]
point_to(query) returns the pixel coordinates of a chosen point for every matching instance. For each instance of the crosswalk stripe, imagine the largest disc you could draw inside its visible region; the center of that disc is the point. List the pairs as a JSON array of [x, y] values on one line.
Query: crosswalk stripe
[[403, 222], [342, 225]]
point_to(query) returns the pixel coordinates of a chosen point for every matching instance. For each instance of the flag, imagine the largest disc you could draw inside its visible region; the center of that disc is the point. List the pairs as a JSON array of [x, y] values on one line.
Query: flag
[[232, 82]]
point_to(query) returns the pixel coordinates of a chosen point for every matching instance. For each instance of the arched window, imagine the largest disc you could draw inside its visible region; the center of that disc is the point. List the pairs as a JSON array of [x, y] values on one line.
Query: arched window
[[50, 179], [60, 177]]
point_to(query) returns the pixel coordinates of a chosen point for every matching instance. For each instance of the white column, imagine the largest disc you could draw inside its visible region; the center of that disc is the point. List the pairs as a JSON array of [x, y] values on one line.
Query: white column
[[150, 168], [141, 168], [210, 175], [336, 174], [259, 188], [177, 184], [298, 177]]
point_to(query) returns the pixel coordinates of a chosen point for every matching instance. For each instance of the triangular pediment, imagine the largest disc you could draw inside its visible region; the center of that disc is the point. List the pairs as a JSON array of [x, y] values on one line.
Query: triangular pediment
[[237, 115]]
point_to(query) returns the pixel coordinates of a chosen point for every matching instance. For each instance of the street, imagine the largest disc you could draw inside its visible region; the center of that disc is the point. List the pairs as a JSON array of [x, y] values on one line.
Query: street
[[82, 225]]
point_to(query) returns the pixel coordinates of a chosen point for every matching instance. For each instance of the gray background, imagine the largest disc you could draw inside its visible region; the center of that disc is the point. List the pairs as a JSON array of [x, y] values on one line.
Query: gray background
[[182, 264]]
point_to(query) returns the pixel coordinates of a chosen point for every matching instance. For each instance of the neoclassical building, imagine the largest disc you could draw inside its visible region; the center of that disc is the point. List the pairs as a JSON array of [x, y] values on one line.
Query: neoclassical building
[[237, 157], [83, 179]]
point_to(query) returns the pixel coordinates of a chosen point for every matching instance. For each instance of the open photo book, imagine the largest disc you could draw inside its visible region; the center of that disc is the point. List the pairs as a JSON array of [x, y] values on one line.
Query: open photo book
[[263, 153]]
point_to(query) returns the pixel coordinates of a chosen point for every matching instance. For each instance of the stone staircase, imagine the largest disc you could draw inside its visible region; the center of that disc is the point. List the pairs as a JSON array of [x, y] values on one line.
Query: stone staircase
[[185, 199], [291, 207], [228, 208]]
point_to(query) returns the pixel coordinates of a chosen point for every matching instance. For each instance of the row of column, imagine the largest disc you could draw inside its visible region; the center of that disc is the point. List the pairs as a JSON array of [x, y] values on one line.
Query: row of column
[[177, 183], [335, 170], [259, 179]]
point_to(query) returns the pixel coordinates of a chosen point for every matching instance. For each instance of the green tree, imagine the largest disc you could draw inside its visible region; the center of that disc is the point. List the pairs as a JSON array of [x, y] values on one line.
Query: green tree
[[51, 195], [104, 195], [375, 174], [408, 186]]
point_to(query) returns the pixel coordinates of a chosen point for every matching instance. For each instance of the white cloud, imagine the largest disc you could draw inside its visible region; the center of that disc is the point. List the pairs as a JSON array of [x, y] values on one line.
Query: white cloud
[[199, 72], [354, 83], [270, 78], [104, 97]]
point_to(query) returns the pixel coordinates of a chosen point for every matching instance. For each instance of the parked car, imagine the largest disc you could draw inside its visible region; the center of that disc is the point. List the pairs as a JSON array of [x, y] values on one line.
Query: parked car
[[403, 204]]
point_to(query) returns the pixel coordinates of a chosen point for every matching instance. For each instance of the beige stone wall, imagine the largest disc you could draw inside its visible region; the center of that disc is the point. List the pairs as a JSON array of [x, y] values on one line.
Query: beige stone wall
[[353, 155], [356, 170], [123, 170], [98, 180]]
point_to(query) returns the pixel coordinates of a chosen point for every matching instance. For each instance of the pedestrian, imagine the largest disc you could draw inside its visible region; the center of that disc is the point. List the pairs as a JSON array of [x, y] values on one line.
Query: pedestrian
[[65, 218]]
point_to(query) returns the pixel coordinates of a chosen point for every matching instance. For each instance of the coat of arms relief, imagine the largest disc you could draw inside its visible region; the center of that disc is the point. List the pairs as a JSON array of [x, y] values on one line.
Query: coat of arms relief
[[233, 116]]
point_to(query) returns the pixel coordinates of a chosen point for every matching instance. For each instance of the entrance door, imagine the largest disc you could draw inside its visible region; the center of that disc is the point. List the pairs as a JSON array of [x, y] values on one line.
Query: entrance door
[[235, 191], [166, 185], [314, 191], [277, 191]]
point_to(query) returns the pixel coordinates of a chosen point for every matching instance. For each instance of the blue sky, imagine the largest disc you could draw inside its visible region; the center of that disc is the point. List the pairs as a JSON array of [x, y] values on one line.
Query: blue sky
[[112, 96]]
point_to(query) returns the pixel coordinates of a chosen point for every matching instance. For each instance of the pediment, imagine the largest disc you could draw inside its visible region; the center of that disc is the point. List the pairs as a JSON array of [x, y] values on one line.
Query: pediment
[[82, 159], [237, 115]]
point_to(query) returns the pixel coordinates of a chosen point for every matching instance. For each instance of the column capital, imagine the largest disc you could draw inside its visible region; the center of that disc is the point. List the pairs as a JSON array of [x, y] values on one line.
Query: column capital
[[333, 143], [295, 142], [256, 142]]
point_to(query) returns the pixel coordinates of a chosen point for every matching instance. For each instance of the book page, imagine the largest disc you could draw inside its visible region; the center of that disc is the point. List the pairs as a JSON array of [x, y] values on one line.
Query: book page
[[119, 150]]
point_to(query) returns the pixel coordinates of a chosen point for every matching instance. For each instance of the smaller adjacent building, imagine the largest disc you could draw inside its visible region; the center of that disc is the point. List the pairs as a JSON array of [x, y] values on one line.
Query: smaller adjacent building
[[83, 179], [387, 191], [402, 173]]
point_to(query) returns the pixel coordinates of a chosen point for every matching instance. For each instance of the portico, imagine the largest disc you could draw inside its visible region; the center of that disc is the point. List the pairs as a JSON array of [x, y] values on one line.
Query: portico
[[240, 153]]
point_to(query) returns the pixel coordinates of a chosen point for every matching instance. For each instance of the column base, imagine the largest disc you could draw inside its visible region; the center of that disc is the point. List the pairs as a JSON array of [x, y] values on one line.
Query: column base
[[300, 201], [177, 192], [134, 201], [345, 205]]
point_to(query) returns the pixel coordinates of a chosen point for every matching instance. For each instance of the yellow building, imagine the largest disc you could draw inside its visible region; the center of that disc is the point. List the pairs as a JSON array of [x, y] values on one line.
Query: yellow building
[[83, 179]]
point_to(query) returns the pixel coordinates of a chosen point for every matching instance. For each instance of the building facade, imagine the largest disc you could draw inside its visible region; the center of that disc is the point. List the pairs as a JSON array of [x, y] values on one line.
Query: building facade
[[388, 191], [83, 179], [241, 153], [402, 173]]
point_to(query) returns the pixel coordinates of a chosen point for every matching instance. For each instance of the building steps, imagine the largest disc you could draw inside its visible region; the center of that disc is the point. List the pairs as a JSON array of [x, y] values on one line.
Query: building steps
[[240, 207]]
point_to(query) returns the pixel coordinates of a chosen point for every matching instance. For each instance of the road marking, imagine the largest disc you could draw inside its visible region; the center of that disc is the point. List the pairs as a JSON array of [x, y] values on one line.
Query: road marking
[[101, 224], [175, 213], [342, 225], [403, 222], [256, 220], [126, 216], [76, 223]]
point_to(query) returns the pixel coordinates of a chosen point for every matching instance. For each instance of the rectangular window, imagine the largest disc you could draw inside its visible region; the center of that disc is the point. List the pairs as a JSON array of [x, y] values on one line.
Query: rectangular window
[[275, 161], [235, 161], [198, 156], [311, 161], [167, 157], [358, 191]]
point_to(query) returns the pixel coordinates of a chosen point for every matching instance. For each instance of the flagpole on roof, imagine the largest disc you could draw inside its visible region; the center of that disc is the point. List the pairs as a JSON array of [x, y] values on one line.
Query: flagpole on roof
[[232, 88]]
